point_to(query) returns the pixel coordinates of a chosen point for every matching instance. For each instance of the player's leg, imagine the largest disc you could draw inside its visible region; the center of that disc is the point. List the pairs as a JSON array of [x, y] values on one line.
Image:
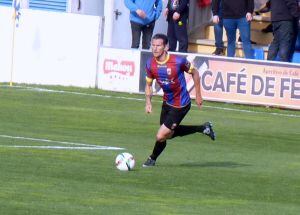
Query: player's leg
[[206, 128], [170, 124], [184, 130], [161, 136]]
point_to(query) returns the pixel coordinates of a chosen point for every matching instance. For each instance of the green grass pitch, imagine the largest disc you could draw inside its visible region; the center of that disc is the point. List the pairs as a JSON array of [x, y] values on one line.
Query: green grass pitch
[[252, 168]]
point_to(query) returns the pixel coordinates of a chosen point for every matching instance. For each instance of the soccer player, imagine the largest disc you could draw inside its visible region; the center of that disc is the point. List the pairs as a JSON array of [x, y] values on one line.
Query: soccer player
[[168, 70]]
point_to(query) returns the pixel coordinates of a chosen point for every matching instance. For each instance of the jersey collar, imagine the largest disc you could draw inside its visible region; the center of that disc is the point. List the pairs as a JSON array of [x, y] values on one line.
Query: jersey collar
[[163, 62]]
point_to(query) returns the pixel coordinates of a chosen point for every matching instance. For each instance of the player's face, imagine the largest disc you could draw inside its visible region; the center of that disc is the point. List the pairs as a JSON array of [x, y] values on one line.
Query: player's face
[[158, 48]]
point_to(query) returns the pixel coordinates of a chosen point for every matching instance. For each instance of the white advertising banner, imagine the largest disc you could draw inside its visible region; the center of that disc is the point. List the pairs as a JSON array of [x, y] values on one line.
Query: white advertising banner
[[6, 40], [56, 48], [119, 70], [49, 48]]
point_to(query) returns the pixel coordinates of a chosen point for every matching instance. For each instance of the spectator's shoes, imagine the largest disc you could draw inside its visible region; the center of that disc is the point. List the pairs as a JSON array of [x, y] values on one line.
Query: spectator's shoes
[[219, 51], [149, 163], [208, 130]]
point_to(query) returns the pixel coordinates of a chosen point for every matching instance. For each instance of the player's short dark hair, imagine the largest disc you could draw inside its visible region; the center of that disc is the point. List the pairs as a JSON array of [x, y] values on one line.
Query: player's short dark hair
[[163, 37]]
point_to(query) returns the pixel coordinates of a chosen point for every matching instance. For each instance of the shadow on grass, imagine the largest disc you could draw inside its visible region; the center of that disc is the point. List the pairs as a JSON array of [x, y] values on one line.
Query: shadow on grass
[[226, 164]]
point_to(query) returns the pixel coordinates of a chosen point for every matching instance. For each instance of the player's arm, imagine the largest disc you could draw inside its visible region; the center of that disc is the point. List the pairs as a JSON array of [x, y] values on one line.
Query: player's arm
[[148, 94], [188, 67], [197, 84]]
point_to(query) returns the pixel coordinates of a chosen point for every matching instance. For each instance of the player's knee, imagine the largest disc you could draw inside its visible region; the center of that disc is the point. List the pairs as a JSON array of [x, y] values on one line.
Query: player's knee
[[163, 137], [160, 137]]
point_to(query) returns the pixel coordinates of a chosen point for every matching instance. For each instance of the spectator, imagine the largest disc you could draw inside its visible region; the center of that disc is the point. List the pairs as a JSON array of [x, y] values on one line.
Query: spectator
[[297, 46], [258, 4], [284, 16], [236, 15], [265, 9], [177, 13], [143, 15], [218, 31]]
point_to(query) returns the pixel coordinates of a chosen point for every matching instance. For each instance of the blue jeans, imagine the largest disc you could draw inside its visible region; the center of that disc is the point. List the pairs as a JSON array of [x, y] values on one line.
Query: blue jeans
[[283, 44], [231, 25], [218, 30]]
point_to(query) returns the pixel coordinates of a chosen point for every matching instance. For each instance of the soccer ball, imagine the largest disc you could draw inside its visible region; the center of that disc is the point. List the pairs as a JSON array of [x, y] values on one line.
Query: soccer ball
[[125, 161]]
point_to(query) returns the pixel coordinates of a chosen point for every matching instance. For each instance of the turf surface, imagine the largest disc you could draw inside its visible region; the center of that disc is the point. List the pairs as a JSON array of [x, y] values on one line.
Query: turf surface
[[252, 168]]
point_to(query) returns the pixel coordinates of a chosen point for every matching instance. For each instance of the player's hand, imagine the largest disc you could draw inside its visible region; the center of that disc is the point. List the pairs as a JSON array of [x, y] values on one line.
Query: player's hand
[[148, 108], [216, 19], [141, 13], [199, 101], [166, 11], [176, 16], [249, 17]]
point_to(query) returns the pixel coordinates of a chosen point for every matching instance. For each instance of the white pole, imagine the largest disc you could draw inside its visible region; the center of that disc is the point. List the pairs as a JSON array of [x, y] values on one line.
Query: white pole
[[12, 52], [108, 22]]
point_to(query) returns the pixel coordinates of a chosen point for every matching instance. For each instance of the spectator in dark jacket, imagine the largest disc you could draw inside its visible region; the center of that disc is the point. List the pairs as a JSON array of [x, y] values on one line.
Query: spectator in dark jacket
[[177, 13], [284, 16], [237, 14]]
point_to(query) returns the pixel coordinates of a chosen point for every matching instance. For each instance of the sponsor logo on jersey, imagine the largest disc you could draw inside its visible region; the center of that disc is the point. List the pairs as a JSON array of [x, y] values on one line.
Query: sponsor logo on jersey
[[169, 71]]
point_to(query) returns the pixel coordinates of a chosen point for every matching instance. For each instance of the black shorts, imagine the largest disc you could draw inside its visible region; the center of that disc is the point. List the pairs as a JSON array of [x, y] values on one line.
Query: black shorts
[[171, 116]]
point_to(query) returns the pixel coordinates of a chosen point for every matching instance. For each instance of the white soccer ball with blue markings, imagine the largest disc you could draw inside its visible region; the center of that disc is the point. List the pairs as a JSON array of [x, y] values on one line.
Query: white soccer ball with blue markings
[[125, 161]]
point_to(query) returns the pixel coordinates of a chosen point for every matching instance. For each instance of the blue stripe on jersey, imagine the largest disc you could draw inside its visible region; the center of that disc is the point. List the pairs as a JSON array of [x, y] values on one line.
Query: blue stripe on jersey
[[162, 74], [184, 95]]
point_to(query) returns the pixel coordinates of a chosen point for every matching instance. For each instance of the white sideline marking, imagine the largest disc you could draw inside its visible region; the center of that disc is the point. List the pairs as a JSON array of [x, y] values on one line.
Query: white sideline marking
[[64, 147], [137, 99], [83, 145]]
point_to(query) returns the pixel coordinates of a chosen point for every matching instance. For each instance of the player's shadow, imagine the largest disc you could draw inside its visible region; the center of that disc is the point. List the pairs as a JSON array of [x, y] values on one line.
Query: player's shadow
[[226, 164]]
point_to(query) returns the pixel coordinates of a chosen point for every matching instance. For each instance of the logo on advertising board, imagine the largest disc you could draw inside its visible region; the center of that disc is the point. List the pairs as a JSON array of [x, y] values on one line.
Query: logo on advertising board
[[126, 68]]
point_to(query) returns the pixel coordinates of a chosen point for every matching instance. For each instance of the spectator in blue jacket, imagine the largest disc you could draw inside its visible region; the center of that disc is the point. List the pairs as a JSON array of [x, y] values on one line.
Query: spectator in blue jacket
[[143, 15]]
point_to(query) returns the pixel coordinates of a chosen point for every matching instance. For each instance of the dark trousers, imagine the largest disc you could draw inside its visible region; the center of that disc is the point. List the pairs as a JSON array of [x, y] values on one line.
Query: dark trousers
[[138, 29], [177, 31], [218, 30], [283, 44]]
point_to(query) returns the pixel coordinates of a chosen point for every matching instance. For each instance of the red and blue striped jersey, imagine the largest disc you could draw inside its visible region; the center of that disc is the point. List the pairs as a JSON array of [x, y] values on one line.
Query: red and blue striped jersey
[[170, 77]]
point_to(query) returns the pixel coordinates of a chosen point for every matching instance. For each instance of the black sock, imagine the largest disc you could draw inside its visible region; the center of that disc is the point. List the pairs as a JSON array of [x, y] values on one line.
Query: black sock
[[158, 148], [183, 130]]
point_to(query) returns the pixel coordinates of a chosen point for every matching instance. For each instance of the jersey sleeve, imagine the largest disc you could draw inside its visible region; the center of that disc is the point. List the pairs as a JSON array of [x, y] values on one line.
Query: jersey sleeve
[[186, 66], [149, 76]]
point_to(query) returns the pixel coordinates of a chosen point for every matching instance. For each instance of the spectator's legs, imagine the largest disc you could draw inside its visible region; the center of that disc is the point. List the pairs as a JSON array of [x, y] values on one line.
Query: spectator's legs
[[147, 35], [230, 27], [283, 42], [295, 36], [136, 30], [244, 28], [274, 46], [218, 30], [182, 35], [297, 45], [172, 35]]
